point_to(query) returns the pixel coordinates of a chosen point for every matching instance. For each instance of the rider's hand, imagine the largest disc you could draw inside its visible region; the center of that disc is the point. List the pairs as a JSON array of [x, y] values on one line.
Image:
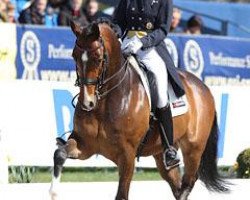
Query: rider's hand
[[133, 46]]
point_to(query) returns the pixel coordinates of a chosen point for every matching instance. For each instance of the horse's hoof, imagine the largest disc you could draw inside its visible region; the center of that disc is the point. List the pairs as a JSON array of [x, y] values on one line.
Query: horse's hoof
[[53, 195]]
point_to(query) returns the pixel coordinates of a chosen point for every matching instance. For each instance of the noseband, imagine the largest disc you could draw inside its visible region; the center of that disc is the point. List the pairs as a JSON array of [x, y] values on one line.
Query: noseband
[[101, 80]]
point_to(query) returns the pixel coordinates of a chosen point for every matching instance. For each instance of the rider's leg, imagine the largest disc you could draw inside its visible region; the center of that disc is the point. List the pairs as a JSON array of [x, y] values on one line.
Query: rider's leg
[[154, 63], [170, 154]]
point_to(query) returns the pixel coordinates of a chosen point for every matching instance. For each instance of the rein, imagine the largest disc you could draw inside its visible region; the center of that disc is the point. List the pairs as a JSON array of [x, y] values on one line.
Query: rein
[[101, 95]]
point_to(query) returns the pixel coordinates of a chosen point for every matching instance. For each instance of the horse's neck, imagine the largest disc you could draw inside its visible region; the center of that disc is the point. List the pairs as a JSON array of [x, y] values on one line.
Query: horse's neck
[[116, 61], [113, 49]]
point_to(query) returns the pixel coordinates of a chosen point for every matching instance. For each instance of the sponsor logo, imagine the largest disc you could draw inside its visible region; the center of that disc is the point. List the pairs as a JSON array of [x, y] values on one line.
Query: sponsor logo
[[30, 55], [193, 58], [60, 52], [172, 50], [229, 61]]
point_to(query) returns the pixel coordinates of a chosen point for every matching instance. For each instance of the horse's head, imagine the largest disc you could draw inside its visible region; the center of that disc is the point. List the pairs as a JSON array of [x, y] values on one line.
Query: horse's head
[[91, 62], [96, 53]]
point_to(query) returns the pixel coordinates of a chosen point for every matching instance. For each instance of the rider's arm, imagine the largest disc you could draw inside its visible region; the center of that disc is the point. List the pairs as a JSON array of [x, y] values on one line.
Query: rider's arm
[[163, 22], [119, 16]]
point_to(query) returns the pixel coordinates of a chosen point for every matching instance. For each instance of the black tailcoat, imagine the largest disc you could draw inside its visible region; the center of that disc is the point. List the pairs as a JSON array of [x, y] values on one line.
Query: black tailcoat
[[153, 16]]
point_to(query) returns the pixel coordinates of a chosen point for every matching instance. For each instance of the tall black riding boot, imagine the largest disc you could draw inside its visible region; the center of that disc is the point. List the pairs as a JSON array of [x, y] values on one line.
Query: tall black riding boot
[[164, 116]]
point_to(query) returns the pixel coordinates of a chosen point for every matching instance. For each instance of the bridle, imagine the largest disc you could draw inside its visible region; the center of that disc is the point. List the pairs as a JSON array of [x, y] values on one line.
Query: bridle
[[101, 81], [81, 81]]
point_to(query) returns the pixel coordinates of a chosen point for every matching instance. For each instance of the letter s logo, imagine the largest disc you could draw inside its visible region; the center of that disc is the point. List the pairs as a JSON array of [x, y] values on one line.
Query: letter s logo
[[193, 58], [30, 56]]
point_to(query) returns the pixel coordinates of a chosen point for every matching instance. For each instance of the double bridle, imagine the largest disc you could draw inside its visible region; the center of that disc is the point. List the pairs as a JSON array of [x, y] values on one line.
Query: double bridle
[[101, 80]]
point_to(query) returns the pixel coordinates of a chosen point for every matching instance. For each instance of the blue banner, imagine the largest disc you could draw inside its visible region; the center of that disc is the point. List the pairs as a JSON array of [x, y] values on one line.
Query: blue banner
[[45, 54], [215, 60]]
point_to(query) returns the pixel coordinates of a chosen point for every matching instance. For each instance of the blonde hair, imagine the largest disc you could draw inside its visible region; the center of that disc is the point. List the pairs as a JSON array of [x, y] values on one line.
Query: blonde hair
[[177, 10]]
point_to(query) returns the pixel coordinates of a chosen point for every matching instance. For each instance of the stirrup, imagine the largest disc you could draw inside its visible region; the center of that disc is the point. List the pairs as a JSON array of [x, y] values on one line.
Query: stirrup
[[170, 161]]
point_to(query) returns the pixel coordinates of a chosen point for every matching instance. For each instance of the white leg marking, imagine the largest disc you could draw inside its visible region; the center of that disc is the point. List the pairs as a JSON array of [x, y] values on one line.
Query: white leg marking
[[54, 187]]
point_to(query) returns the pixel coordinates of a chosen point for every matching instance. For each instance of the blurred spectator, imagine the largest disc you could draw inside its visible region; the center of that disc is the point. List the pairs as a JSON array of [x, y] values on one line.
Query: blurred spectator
[[57, 3], [91, 9], [37, 14], [21, 5], [194, 25], [174, 28], [72, 11], [11, 14], [7, 11]]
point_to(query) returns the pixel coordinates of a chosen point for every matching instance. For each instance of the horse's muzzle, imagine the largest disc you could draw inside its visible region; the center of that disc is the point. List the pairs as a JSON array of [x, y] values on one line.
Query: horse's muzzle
[[88, 106]]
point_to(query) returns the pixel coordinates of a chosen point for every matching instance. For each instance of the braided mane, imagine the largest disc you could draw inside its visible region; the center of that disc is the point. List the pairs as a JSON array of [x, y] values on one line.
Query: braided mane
[[114, 27]]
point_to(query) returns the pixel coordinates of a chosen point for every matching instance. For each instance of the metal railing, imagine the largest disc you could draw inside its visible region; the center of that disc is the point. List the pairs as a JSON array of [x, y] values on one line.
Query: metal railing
[[224, 23]]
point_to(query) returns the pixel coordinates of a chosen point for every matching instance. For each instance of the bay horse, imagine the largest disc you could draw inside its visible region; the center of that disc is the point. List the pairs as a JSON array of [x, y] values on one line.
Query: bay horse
[[113, 112]]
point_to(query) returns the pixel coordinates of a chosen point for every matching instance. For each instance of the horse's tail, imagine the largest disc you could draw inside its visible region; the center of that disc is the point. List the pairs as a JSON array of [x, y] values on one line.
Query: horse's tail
[[208, 172]]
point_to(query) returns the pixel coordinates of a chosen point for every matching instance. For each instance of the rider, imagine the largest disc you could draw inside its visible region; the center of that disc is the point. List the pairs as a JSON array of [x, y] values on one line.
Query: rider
[[144, 24]]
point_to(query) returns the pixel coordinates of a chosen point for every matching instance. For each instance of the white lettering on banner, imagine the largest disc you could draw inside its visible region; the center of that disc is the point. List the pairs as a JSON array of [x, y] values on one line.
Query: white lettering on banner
[[58, 75], [30, 55], [59, 53], [193, 58], [226, 61], [221, 80], [172, 50], [54, 115]]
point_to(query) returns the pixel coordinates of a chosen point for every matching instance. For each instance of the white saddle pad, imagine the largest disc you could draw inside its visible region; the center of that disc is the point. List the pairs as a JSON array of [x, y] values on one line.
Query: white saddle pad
[[179, 106]]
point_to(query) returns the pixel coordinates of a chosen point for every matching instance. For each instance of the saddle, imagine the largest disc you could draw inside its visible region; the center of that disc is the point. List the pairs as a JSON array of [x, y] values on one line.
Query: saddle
[[178, 106]]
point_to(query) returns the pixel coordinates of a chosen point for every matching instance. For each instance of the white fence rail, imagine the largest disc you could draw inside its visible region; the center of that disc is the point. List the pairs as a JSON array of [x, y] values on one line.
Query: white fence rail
[[33, 112]]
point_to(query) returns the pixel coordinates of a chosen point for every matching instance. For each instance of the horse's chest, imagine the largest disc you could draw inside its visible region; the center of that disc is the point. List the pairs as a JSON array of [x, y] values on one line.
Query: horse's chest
[[86, 124]]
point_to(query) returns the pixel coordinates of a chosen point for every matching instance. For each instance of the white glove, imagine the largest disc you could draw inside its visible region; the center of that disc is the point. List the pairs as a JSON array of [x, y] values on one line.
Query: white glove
[[132, 46]]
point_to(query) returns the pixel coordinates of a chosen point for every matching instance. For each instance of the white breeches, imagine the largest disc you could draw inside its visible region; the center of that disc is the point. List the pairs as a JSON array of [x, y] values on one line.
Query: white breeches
[[154, 63]]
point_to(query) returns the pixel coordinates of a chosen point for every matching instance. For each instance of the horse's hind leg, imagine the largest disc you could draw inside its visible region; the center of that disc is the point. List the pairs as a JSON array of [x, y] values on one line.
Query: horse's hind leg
[[172, 177], [192, 146], [192, 150], [192, 157]]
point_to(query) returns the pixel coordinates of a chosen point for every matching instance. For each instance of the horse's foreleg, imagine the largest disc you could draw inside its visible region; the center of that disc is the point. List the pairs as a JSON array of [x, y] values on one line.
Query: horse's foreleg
[[172, 177], [126, 169], [60, 157], [63, 152]]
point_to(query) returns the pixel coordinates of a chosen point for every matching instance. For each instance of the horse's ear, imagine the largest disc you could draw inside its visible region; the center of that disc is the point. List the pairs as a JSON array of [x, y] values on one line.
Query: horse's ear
[[93, 31], [76, 28]]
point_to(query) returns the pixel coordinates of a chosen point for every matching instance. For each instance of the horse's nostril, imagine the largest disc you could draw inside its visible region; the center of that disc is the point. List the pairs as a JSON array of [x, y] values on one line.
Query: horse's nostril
[[91, 104]]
